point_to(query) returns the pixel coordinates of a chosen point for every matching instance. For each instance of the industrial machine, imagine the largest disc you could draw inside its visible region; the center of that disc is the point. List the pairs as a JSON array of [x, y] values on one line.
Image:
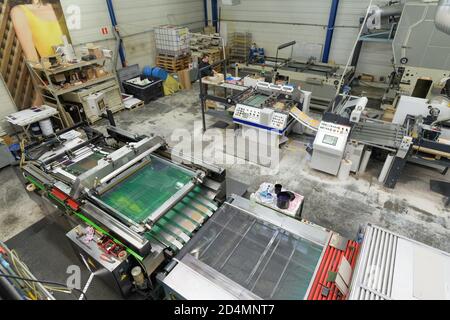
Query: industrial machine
[[426, 141], [96, 99], [410, 106], [125, 202], [420, 44], [267, 107], [332, 135], [141, 219], [393, 267], [421, 52], [250, 252], [321, 79], [160, 226], [419, 133], [263, 116]]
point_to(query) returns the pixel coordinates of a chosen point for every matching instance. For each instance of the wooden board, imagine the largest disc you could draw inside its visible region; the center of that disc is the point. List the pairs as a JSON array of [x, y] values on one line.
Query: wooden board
[[185, 79], [12, 63]]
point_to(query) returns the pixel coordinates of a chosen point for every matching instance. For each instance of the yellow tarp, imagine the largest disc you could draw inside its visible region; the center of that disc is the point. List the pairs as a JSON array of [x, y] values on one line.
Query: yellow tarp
[[171, 85]]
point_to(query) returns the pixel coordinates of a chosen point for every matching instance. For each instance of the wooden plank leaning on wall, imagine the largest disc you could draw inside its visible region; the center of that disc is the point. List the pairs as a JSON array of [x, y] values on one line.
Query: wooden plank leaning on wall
[[12, 63]]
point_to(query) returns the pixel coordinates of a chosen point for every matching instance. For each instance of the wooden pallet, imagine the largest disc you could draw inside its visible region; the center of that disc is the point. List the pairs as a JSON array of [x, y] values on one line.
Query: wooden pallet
[[179, 55], [13, 67], [173, 64], [133, 104]]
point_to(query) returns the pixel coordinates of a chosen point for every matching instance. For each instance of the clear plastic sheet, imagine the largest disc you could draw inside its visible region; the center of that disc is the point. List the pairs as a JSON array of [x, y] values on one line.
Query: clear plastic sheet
[[265, 259]]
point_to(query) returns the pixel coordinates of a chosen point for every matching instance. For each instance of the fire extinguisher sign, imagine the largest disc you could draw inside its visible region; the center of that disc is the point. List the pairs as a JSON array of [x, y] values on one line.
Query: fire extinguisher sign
[[104, 31]]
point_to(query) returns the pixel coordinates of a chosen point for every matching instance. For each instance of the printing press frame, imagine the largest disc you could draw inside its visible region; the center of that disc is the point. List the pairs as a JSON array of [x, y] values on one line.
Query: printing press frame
[[73, 201], [322, 79]]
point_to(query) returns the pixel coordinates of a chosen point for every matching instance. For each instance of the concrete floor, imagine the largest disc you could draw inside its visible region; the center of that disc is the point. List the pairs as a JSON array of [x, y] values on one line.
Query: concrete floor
[[411, 209]]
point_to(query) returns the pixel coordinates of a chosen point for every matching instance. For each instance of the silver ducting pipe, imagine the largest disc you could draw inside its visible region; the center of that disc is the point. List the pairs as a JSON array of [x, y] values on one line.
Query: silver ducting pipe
[[394, 10], [442, 19], [374, 21]]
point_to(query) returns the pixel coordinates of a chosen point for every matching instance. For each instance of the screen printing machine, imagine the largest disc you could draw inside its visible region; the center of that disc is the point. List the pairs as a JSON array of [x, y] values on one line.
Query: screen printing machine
[[146, 221], [142, 220]]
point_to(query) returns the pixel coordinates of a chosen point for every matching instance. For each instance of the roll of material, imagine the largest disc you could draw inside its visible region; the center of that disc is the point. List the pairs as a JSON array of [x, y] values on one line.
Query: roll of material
[[442, 18], [387, 166], [138, 276], [344, 171], [365, 160], [46, 127], [31, 187]]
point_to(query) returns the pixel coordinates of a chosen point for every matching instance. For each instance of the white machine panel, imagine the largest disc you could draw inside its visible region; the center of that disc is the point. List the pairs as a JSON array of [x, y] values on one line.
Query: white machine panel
[[263, 118], [419, 107], [329, 147], [32, 115], [332, 138]]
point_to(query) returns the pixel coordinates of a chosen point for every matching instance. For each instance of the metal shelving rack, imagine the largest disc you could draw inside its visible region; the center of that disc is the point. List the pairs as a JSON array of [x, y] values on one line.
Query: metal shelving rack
[[240, 44], [51, 94]]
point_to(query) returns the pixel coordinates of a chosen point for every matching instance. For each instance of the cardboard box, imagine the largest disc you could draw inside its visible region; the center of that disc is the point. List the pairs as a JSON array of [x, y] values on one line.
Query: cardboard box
[[8, 140], [184, 78], [96, 51]]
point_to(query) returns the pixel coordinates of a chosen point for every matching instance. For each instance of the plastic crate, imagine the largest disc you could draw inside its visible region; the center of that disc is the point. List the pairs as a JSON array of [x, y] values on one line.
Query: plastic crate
[[127, 73], [145, 93]]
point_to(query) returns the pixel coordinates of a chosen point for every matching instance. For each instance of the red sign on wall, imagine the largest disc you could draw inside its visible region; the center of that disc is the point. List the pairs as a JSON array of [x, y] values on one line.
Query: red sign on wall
[[105, 31]]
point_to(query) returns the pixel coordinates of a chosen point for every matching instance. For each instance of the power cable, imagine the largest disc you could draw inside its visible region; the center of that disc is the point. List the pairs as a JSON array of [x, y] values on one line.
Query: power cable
[[45, 282]]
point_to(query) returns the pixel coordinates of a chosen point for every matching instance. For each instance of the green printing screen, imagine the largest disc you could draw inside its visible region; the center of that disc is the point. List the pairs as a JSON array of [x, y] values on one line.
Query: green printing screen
[[146, 190]]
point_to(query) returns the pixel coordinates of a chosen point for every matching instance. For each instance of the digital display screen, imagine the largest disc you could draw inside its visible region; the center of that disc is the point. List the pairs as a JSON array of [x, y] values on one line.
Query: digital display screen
[[331, 140]]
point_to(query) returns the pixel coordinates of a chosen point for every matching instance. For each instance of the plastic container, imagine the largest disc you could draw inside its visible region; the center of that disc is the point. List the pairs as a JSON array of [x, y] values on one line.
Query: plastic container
[[155, 72], [147, 71], [35, 130], [15, 150], [283, 200], [46, 127], [145, 93], [278, 188], [159, 73]]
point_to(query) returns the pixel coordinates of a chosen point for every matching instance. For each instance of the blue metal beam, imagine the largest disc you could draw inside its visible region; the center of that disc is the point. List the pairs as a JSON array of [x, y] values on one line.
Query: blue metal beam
[[205, 6], [330, 30], [113, 18], [215, 13]]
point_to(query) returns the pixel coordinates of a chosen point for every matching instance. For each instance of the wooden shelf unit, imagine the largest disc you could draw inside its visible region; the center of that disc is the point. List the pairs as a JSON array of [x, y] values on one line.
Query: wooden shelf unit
[[44, 81]]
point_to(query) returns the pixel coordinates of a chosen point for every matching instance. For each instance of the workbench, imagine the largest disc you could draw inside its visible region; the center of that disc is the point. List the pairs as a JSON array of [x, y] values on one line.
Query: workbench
[[25, 118], [295, 209]]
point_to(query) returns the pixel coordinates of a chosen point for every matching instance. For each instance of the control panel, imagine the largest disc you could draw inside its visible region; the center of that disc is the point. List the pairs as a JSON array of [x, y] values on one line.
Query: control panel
[[332, 138], [266, 118], [329, 147]]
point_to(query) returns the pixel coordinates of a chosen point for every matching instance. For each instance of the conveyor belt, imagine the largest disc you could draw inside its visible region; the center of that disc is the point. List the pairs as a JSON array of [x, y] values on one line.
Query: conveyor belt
[[176, 227], [378, 133], [304, 119], [330, 263]]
